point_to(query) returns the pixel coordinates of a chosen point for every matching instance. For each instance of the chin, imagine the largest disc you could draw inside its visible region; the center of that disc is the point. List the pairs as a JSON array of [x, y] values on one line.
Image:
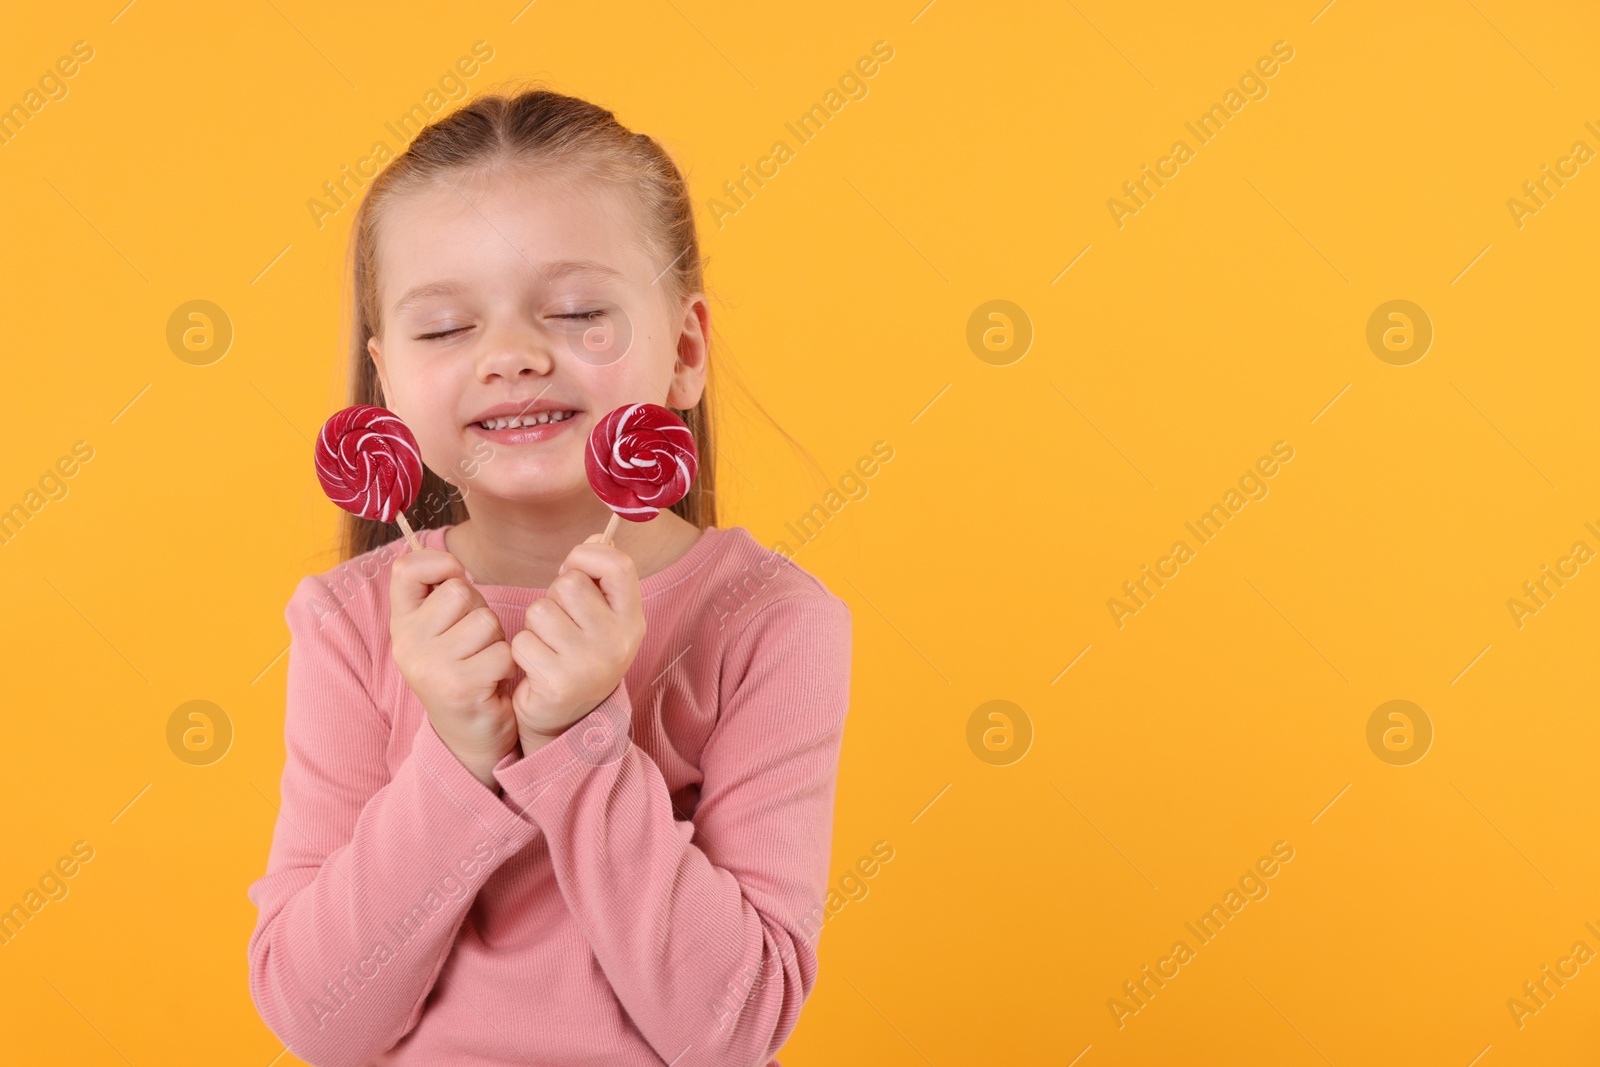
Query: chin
[[534, 492]]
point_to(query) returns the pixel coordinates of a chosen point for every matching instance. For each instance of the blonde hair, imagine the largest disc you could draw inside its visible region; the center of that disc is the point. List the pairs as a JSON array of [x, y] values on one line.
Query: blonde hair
[[542, 128]]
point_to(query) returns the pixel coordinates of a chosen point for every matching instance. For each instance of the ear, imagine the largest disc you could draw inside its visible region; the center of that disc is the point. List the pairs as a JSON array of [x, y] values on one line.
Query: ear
[[375, 350], [693, 350]]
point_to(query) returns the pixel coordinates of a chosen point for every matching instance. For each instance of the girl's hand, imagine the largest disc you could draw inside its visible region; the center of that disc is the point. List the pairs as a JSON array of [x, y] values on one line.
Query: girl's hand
[[580, 639], [450, 649]]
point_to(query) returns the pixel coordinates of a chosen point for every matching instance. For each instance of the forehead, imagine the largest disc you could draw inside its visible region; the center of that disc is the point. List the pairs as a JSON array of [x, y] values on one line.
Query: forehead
[[497, 226]]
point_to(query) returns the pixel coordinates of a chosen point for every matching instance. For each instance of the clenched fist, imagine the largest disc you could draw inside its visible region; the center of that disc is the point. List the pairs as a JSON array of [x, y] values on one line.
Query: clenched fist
[[449, 647], [581, 637]]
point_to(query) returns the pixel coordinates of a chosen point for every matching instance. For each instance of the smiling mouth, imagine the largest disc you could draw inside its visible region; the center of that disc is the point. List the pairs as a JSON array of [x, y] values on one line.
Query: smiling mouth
[[512, 422]]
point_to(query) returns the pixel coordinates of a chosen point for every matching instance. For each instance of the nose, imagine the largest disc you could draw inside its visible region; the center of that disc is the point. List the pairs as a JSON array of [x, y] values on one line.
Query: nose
[[514, 350]]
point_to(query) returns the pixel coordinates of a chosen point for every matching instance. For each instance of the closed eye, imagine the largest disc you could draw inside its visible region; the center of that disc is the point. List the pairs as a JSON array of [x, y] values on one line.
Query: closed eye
[[442, 333], [575, 315]]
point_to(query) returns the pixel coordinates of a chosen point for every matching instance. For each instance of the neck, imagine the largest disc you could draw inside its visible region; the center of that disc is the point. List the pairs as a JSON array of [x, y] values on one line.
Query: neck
[[510, 544]]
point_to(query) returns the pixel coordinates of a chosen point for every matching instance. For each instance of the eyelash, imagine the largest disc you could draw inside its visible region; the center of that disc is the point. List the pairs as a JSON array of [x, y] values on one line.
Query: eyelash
[[458, 329]]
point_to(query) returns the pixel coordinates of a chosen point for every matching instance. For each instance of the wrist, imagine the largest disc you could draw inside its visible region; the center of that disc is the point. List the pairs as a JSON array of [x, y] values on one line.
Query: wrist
[[480, 766], [483, 770], [533, 742]]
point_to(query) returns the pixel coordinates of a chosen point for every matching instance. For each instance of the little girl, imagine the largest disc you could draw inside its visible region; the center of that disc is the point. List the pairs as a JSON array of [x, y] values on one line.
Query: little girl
[[546, 801]]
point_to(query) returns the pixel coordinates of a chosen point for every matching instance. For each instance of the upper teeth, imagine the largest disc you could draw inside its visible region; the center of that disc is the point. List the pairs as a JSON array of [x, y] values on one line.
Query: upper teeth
[[514, 421]]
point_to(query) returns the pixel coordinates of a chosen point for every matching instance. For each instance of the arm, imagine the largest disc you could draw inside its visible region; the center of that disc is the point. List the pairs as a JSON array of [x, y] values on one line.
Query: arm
[[369, 876], [706, 929]]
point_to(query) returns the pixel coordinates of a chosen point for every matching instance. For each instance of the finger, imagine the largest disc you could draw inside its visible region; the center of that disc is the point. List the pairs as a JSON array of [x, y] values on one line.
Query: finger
[[472, 633], [581, 599], [492, 663], [535, 657], [550, 621], [612, 568], [450, 602], [414, 573]]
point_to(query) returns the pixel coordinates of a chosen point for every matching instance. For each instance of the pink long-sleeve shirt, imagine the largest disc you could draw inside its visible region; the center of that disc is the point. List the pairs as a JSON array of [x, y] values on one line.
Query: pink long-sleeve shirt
[[649, 887]]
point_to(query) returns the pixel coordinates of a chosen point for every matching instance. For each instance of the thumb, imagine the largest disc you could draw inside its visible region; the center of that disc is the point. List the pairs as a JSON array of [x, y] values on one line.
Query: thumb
[[591, 539]]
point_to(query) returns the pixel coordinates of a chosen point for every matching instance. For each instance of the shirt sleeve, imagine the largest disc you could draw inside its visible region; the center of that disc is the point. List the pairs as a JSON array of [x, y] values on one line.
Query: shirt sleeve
[[706, 930], [369, 875]]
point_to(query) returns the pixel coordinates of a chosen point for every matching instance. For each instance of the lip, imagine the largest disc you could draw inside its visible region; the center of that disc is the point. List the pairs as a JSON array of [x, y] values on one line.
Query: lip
[[526, 435], [532, 406]]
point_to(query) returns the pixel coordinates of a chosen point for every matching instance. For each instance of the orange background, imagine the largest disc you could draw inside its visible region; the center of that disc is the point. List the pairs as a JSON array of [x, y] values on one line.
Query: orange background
[[1229, 313]]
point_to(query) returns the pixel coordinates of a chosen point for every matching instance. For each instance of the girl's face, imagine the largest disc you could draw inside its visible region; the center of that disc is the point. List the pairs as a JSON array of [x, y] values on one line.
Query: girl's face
[[516, 294]]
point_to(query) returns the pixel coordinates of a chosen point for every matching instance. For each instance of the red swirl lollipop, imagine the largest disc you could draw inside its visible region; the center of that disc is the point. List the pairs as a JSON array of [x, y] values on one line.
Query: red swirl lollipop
[[641, 458], [369, 464]]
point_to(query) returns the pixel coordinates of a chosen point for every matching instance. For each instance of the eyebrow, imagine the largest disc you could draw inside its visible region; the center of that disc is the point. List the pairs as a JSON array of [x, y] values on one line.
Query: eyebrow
[[550, 271]]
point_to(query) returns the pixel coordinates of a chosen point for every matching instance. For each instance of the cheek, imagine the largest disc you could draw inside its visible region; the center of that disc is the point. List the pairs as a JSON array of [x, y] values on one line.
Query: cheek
[[430, 400]]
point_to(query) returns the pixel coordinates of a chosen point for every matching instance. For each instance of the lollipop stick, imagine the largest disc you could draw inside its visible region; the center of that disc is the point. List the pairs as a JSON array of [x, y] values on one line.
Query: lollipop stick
[[611, 528], [405, 528]]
